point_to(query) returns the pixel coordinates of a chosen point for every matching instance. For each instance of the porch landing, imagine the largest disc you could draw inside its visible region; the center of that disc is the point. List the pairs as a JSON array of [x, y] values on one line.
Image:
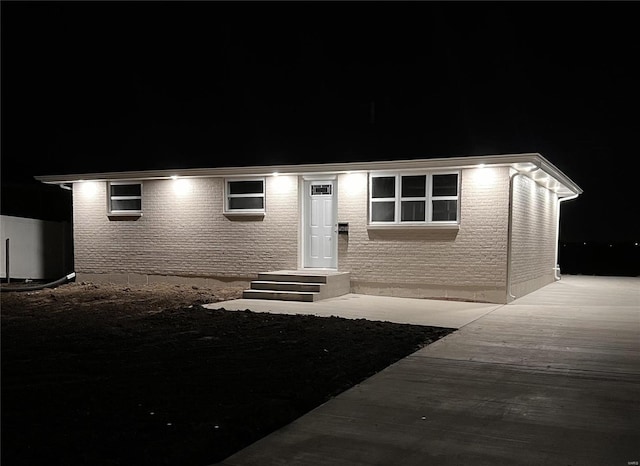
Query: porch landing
[[299, 285]]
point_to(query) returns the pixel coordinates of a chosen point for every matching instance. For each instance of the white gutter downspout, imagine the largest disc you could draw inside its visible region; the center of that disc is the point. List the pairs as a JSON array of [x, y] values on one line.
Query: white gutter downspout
[[556, 269], [509, 234]]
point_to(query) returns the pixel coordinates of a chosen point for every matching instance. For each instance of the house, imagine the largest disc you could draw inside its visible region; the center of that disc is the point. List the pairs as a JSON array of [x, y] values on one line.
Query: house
[[482, 228]]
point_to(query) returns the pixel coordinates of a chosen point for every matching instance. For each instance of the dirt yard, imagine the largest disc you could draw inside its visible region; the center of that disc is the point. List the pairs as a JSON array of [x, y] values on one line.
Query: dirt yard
[[117, 375]]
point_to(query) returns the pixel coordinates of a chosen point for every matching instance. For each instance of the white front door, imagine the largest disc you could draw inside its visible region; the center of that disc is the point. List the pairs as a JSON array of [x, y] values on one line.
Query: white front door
[[320, 224]]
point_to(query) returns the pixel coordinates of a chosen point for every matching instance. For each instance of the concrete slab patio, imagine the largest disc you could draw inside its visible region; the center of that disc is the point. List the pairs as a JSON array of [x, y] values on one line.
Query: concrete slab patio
[[550, 379]]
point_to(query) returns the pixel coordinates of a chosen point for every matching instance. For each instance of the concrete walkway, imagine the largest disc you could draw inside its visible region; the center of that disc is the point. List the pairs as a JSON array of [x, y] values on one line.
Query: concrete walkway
[[551, 379], [452, 314]]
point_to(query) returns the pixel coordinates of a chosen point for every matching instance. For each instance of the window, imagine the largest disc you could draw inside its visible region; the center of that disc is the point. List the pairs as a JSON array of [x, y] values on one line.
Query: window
[[125, 198], [424, 198], [245, 195], [383, 198], [413, 198], [444, 198], [320, 189]]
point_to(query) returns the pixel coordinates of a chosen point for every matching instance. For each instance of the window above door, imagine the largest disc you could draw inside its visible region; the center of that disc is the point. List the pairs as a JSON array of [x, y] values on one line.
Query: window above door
[[321, 189]]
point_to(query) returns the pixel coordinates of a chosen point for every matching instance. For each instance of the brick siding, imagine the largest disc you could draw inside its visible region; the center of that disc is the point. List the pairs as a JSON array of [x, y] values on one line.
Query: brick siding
[[469, 263], [186, 233], [534, 225]]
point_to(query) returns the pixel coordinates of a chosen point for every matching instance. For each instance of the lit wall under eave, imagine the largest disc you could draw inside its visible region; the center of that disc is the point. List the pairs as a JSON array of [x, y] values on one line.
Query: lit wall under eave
[[182, 187], [484, 177], [282, 185], [353, 184], [88, 189]]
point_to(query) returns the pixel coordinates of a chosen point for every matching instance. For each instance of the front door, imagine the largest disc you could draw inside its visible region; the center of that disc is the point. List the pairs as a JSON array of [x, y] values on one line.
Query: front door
[[320, 224]]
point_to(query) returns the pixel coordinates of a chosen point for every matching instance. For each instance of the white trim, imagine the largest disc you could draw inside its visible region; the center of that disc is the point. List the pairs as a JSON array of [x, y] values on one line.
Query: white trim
[[308, 177], [304, 197], [301, 221], [414, 226], [427, 199], [394, 199], [123, 212], [525, 163], [457, 197], [227, 196], [556, 269], [243, 214]]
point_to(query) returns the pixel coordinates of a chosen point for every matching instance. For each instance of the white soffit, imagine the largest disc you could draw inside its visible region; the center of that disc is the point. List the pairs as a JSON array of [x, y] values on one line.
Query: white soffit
[[533, 165]]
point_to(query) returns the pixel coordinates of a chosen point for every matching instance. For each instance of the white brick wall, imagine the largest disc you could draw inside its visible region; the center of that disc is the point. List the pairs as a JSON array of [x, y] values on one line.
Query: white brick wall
[[534, 226], [184, 232], [469, 263]]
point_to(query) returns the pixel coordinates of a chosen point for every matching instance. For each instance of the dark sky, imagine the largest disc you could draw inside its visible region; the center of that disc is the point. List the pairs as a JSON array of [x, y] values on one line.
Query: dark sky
[[101, 86]]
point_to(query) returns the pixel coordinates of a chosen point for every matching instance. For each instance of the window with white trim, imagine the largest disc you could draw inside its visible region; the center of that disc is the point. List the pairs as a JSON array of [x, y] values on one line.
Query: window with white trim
[[414, 198], [444, 197], [245, 195], [125, 197]]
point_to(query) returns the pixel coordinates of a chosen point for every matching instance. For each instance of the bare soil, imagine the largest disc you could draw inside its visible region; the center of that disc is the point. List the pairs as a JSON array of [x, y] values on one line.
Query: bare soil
[[122, 375]]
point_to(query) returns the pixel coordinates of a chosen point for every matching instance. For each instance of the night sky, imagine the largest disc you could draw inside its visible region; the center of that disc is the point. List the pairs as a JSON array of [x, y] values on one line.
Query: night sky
[[90, 86]]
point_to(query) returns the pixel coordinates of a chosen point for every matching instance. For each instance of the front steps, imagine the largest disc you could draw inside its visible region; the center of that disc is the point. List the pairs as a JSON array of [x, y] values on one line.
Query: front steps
[[299, 285]]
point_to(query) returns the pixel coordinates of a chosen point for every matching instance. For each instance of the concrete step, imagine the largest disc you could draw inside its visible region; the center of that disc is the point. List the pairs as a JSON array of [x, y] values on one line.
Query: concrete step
[[299, 285], [292, 277], [286, 286], [280, 295]]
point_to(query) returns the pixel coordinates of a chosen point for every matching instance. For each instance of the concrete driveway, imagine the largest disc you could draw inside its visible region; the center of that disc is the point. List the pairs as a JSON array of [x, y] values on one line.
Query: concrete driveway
[[550, 379]]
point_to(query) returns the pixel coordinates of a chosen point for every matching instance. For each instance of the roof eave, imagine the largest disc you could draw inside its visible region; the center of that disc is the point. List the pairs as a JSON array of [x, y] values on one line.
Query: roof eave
[[522, 162]]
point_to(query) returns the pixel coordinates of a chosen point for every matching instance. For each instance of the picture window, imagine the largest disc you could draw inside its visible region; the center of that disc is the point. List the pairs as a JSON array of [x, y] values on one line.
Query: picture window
[[422, 198]]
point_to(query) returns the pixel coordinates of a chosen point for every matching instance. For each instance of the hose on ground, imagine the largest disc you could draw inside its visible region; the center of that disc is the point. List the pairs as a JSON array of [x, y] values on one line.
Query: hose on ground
[[40, 286]]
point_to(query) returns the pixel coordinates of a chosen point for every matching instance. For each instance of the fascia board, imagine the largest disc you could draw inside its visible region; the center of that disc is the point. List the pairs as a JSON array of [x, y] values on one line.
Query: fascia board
[[448, 162], [263, 170], [556, 173]]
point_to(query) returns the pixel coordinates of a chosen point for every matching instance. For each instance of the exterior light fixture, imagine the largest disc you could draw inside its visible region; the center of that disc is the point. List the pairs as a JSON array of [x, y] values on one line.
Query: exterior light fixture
[[182, 186], [89, 188], [526, 167]]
